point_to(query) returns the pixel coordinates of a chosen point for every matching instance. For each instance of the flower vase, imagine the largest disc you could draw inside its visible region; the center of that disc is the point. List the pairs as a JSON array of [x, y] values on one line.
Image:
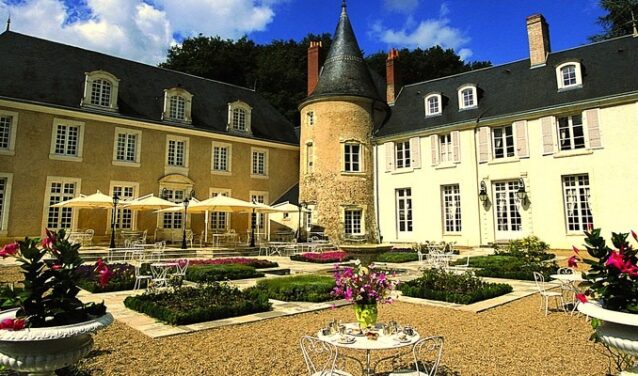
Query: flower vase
[[366, 314], [619, 331]]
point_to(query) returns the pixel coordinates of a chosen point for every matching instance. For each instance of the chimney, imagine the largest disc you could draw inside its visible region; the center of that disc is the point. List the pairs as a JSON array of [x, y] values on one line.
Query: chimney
[[392, 76], [538, 34], [313, 65]]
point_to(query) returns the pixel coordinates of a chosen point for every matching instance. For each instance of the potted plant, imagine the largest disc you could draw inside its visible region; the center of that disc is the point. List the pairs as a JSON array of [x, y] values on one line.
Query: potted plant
[[613, 278], [48, 327], [364, 286]]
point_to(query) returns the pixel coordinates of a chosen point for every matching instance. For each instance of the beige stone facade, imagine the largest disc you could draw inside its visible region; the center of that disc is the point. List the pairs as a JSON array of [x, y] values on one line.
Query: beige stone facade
[[325, 184], [33, 166]]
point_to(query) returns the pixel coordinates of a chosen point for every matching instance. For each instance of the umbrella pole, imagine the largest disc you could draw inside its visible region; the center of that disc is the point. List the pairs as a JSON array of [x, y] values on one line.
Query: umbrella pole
[[113, 214], [253, 221]]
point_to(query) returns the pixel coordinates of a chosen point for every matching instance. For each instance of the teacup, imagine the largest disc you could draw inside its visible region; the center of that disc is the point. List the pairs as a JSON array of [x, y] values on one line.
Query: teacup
[[408, 330]]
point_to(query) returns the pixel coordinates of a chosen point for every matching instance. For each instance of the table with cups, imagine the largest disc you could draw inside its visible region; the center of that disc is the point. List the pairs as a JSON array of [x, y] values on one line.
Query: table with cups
[[382, 337]]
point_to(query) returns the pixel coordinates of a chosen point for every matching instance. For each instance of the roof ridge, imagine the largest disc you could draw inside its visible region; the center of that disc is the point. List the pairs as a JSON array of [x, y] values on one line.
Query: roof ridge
[[124, 59]]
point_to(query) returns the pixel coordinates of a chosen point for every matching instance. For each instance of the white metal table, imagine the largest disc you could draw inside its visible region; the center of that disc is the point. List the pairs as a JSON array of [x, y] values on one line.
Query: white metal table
[[361, 342]]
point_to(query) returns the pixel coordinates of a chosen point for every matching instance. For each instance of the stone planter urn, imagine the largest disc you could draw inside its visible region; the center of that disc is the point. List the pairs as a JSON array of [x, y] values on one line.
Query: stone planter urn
[[619, 330], [40, 351]]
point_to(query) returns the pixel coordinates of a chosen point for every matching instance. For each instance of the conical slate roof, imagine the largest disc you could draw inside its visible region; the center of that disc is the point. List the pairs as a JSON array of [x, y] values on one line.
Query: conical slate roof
[[344, 71]]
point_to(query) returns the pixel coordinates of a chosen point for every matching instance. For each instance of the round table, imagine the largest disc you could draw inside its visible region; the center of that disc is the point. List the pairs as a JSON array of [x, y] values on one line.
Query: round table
[[572, 277], [361, 342]]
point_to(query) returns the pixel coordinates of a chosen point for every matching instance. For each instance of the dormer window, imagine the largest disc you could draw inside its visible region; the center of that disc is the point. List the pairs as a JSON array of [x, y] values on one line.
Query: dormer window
[[568, 76], [239, 117], [177, 105], [100, 90], [433, 105], [467, 97]]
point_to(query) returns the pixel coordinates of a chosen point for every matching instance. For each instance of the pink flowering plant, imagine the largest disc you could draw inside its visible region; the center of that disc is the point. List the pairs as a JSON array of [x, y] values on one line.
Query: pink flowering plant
[[49, 293], [613, 273], [363, 285]]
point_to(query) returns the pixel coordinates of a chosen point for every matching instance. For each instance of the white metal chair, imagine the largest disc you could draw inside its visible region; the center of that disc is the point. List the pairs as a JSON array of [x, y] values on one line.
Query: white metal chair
[[139, 277], [430, 347], [182, 266], [320, 357], [545, 295]]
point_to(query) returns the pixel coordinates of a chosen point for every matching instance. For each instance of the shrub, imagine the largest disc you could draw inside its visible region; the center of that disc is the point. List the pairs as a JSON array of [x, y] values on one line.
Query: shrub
[[212, 273], [190, 305], [304, 288], [322, 257], [440, 285], [511, 267], [530, 248], [123, 278], [255, 263], [398, 257]]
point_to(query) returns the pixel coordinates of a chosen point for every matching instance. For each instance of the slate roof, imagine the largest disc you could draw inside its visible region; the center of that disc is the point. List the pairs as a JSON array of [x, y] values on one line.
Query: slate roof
[[37, 70], [345, 72], [609, 68], [291, 196]]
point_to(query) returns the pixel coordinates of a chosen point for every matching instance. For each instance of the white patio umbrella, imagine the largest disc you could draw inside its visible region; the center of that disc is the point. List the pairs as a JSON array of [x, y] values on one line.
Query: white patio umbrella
[[97, 200], [149, 202]]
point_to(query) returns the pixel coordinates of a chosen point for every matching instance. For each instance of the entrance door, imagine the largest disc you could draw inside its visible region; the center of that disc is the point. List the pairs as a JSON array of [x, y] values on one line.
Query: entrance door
[[507, 211]]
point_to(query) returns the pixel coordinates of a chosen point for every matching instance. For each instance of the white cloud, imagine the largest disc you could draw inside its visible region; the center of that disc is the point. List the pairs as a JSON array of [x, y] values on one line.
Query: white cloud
[[140, 30], [401, 6], [424, 34]]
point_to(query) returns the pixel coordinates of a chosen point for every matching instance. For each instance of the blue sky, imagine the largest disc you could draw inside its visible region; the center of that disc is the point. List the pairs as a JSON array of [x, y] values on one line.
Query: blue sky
[[143, 30]]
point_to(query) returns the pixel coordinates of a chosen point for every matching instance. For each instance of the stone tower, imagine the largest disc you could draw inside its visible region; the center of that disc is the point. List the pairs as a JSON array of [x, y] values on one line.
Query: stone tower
[[337, 121]]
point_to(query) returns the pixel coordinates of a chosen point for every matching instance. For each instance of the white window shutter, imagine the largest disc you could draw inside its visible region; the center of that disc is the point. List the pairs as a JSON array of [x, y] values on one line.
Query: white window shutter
[[522, 149], [415, 152], [547, 128], [389, 156], [484, 144], [434, 142], [593, 128], [456, 146]]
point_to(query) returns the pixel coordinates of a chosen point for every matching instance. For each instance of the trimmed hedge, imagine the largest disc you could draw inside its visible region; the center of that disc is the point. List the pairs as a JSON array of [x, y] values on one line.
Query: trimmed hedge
[[510, 267], [303, 288], [213, 273], [398, 257], [190, 305], [255, 263], [440, 285]]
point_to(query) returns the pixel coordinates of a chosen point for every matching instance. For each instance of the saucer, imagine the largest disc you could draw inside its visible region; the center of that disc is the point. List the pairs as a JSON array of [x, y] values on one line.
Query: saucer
[[346, 339]]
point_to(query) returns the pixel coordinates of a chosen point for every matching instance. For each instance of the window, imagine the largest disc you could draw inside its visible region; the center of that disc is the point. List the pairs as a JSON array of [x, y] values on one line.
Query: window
[[100, 91], [58, 190], [309, 158], [467, 97], [8, 122], [451, 208], [177, 105], [259, 166], [68, 136], [352, 157], [310, 118], [578, 216], [260, 197], [173, 220], [176, 154], [219, 221], [239, 117], [446, 152], [352, 225], [221, 157], [503, 142], [124, 218], [5, 198], [571, 134], [127, 146], [433, 105], [404, 209], [568, 76], [402, 154]]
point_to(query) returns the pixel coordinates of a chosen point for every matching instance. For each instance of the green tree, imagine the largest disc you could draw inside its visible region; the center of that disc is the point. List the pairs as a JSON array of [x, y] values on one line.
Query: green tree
[[621, 19]]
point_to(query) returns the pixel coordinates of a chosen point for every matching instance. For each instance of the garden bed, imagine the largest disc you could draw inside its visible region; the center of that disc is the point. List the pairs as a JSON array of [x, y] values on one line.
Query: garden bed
[[304, 288], [398, 256], [190, 305], [454, 288], [510, 267], [255, 263], [322, 257], [123, 278], [213, 273]]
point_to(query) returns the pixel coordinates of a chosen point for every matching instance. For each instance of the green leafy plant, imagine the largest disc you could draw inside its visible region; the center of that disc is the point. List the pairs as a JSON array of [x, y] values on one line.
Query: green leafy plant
[[305, 288], [49, 293], [464, 288], [212, 273], [613, 272], [398, 257]]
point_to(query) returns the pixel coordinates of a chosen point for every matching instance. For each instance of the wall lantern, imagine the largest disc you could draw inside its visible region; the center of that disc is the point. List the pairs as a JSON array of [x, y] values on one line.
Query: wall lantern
[[483, 192], [521, 193]]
